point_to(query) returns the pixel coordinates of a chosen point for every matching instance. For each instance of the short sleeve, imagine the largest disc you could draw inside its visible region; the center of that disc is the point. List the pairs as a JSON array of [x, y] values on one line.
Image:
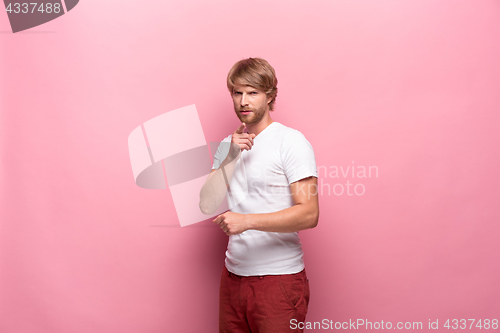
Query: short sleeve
[[221, 153], [297, 156]]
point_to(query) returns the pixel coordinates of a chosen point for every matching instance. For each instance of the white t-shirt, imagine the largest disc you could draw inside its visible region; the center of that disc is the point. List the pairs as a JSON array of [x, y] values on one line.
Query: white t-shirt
[[260, 184]]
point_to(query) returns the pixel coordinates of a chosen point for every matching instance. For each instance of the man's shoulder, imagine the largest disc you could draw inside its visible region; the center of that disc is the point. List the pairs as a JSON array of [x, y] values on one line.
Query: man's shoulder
[[287, 133]]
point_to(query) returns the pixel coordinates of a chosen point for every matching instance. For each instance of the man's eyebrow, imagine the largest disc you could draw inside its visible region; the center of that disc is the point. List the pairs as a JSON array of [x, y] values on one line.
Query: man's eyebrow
[[252, 89]]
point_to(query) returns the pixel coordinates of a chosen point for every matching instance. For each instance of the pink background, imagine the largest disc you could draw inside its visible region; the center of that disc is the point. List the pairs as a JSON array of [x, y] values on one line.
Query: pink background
[[408, 86]]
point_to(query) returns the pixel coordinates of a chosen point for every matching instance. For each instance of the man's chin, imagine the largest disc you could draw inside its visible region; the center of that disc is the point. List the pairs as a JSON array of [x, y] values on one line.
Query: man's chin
[[248, 121], [245, 120]]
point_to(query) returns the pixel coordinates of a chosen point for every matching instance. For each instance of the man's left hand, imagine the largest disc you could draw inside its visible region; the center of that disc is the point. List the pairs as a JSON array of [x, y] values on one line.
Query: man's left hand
[[232, 223]]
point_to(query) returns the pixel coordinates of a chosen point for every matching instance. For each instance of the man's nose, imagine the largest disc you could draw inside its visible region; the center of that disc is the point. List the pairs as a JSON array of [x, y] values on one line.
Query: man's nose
[[244, 99]]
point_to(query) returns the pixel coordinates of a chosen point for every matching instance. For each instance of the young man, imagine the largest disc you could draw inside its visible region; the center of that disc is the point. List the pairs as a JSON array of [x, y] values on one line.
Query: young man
[[269, 174]]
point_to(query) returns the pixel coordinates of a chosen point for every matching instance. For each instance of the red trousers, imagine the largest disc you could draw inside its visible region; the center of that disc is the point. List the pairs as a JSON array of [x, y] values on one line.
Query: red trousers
[[262, 304]]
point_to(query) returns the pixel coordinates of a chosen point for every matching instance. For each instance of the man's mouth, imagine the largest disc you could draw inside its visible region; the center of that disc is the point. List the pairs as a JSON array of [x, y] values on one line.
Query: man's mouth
[[245, 112]]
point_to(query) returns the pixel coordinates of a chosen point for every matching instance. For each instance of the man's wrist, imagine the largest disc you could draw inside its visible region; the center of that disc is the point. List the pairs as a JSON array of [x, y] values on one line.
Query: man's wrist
[[231, 155], [234, 151], [249, 221]]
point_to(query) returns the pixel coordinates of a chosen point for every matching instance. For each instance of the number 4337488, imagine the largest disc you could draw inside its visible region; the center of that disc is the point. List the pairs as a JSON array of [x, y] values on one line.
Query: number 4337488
[[33, 7], [471, 323]]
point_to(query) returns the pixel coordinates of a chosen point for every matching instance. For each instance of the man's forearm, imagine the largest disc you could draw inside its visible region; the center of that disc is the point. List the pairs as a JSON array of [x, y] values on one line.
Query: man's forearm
[[215, 188], [296, 218]]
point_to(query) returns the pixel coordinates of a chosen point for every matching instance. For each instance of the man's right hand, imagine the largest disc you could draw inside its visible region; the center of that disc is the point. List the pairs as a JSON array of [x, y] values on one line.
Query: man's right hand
[[243, 140]]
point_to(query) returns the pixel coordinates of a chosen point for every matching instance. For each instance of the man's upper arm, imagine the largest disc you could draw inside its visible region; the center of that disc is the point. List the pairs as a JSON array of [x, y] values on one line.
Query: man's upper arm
[[305, 192], [298, 158]]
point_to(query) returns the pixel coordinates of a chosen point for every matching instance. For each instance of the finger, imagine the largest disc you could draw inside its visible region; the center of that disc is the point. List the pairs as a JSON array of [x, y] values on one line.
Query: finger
[[248, 137], [244, 144], [247, 143], [218, 219], [241, 128]]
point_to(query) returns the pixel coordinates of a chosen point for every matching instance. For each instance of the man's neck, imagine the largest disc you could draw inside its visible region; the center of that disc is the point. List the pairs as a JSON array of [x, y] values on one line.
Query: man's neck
[[260, 126]]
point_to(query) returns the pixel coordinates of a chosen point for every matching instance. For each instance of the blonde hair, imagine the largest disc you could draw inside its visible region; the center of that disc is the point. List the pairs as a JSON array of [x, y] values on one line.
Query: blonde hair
[[256, 73]]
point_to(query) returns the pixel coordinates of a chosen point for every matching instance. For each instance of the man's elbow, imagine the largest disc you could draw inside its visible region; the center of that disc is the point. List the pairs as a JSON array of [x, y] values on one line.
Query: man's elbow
[[206, 204], [206, 208], [313, 218]]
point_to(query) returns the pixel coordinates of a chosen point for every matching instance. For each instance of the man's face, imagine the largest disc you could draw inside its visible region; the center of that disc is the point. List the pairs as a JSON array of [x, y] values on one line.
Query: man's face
[[250, 104]]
